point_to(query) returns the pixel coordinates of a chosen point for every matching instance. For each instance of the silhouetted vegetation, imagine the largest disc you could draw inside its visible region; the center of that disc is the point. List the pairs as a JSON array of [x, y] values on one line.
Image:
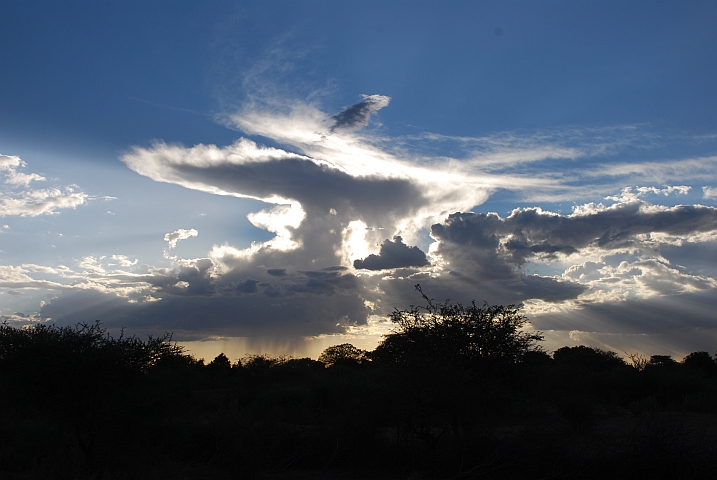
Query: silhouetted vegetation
[[456, 391]]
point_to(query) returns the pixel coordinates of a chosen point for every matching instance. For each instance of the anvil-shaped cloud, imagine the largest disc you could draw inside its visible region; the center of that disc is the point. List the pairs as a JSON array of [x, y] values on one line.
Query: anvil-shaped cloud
[[327, 271]]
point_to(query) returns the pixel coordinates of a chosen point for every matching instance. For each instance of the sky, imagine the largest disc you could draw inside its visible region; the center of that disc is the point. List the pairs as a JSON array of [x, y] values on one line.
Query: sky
[[277, 176]]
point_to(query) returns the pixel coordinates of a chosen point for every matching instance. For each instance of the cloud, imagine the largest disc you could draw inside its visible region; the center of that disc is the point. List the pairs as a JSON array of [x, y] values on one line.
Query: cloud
[[533, 233], [325, 181], [150, 299], [624, 239], [123, 261], [331, 180], [40, 202], [21, 277], [245, 169], [181, 234], [358, 115], [671, 325], [9, 165], [19, 199], [282, 220], [316, 200], [192, 318], [394, 254], [654, 315]]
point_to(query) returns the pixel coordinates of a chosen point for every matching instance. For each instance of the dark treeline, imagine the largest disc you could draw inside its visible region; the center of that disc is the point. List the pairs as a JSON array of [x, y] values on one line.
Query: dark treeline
[[456, 391]]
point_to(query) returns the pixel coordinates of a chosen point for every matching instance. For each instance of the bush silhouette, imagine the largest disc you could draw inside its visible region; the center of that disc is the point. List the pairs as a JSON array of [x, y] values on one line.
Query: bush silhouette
[[82, 378]]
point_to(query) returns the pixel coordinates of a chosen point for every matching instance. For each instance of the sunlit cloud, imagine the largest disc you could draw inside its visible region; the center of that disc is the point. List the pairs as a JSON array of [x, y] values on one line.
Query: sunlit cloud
[[359, 217], [182, 234], [18, 198]]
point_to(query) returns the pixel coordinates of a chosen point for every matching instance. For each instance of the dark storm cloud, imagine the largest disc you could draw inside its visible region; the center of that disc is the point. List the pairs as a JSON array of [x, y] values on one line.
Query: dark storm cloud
[[247, 286], [280, 283], [198, 277], [546, 288], [611, 227], [300, 303], [472, 248], [315, 186], [660, 314], [529, 233], [463, 288], [485, 248], [196, 317], [191, 277], [326, 282], [514, 290], [522, 248], [394, 254], [358, 115]]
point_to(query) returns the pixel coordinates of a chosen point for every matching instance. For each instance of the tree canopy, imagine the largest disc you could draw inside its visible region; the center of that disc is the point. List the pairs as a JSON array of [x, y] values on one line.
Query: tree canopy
[[470, 335], [342, 354]]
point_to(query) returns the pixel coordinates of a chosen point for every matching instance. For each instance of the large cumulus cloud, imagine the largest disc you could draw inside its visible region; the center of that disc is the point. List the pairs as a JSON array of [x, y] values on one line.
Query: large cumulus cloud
[[351, 213]]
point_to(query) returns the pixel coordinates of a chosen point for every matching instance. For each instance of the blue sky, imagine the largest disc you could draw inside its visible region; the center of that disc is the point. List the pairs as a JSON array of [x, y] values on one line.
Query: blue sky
[[277, 176]]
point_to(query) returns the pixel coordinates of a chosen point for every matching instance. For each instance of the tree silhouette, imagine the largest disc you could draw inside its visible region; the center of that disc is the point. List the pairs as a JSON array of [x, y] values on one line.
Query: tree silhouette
[[344, 354], [220, 366], [661, 361], [590, 358], [469, 335], [701, 362], [81, 376]]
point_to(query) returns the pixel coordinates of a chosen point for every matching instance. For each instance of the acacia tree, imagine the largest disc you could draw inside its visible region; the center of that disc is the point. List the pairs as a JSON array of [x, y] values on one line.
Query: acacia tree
[[449, 368], [343, 354], [470, 335]]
